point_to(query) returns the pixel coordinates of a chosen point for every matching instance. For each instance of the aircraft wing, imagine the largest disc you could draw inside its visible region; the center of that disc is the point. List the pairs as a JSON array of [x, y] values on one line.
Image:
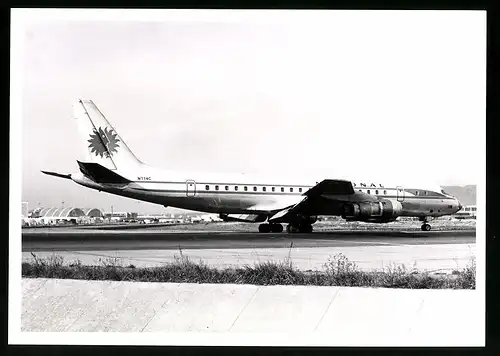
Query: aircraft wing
[[243, 217], [325, 198], [331, 187]]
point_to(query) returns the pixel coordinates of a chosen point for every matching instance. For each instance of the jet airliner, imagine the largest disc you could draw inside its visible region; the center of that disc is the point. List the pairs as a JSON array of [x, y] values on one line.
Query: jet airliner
[[112, 167]]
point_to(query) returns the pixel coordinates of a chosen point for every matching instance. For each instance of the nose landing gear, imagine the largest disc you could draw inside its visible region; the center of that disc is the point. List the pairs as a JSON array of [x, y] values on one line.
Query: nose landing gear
[[425, 226]]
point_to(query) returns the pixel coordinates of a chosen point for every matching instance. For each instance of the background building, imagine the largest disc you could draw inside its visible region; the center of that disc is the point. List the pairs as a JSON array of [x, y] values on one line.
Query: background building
[[44, 216], [467, 212]]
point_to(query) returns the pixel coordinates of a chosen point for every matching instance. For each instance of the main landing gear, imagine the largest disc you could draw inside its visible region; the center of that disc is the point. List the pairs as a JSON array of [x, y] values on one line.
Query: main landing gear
[[290, 228], [302, 228], [298, 226], [271, 228]]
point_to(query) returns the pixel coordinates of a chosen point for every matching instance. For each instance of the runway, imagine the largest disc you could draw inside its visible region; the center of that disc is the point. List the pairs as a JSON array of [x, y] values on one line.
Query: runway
[[439, 251], [68, 239]]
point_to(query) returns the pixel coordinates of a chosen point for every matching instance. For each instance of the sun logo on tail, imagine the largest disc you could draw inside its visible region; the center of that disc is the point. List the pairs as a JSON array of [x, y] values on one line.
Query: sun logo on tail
[[103, 142]]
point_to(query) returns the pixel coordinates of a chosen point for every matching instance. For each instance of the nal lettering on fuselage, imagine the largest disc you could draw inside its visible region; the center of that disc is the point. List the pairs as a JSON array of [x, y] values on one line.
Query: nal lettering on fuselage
[[366, 185]]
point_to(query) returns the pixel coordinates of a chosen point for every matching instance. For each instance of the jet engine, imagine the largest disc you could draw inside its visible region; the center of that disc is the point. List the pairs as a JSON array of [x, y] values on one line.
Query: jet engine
[[382, 211]]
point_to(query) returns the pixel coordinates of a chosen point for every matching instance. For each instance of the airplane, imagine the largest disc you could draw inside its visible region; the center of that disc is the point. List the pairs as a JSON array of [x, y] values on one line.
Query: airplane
[[112, 167]]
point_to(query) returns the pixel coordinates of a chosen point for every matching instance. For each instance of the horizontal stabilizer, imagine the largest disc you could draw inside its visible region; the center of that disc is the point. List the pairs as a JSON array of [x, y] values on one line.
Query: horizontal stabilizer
[[67, 176], [100, 174]]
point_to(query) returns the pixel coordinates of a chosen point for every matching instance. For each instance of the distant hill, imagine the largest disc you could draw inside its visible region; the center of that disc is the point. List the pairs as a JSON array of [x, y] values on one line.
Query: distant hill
[[466, 194]]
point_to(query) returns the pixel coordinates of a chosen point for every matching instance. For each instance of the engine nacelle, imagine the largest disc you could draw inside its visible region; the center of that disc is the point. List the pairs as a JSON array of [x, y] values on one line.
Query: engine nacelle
[[382, 211]]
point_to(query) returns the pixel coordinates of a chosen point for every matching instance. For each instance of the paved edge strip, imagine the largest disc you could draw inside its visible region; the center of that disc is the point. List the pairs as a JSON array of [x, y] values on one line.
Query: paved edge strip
[[342, 314]]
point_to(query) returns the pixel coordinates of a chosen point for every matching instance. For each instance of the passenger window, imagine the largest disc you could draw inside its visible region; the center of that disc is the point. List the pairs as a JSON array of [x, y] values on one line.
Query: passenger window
[[385, 192], [376, 192], [216, 187], [254, 189], [368, 191], [227, 187], [245, 188], [282, 189], [207, 187], [272, 189], [360, 190], [291, 190], [263, 189], [235, 187], [300, 190]]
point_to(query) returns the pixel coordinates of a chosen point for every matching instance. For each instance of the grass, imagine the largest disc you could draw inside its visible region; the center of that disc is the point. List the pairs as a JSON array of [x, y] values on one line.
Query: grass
[[338, 271], [331, 225]]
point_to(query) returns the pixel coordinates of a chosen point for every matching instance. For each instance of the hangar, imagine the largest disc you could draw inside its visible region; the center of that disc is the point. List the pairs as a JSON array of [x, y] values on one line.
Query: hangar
[[61, 213], [68, 213], [93, 213]]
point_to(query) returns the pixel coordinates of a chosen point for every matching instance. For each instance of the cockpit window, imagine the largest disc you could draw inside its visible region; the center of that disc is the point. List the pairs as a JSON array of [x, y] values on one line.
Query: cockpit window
[[443, 192]]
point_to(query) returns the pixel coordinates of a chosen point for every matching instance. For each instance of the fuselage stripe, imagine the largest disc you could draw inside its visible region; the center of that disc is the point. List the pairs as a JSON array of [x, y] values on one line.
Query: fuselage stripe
[[223, 192]]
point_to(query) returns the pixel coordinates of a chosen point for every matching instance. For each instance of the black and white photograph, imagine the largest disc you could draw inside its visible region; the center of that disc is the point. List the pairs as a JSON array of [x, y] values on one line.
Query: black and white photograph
[[247, 177]]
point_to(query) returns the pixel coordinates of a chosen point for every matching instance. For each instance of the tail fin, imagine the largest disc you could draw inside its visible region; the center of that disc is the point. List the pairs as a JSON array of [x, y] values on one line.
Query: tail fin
[[103, 145]]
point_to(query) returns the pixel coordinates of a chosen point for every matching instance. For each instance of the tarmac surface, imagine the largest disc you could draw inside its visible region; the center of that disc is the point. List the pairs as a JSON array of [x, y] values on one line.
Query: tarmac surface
[[439, 251], [69, 239]]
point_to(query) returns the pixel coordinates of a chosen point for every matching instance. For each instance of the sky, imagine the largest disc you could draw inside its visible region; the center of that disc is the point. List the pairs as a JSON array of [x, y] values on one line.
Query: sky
[[385, 95]]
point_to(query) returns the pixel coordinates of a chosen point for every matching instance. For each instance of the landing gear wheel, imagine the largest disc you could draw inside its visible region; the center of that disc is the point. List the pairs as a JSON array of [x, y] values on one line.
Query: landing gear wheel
[[426, 227], [276, 228], [304, 229], [264, 228], [291, 229]]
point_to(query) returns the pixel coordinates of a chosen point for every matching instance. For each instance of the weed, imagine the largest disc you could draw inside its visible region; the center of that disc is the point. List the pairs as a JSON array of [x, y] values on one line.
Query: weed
[[288, 259], [76, 263], [339, 264], [338, 271], [467, 279]]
